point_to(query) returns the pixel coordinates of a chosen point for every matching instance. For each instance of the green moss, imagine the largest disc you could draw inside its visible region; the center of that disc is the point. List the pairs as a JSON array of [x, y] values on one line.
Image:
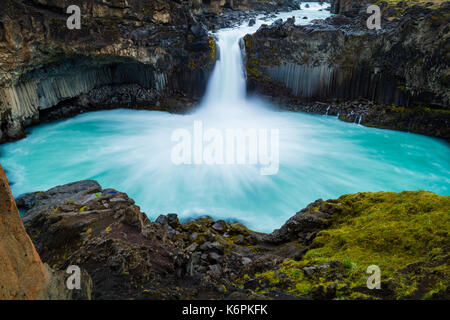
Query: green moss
[[444, 111], [405, 234], [191, 64], [83, 209], [212, 48], [398, 108], [400, 11]]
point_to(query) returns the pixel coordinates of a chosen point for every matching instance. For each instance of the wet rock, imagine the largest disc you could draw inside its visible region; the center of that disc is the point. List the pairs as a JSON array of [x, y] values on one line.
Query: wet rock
[[307, 220], [214, 257], [220, 226], [251, 22], [199, 30], [172, 220], [251, 284], [278, 23], [161, 220], [212, 247]]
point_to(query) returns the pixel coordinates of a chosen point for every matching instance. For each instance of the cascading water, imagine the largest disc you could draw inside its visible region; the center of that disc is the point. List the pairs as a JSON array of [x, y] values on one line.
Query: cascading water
[[319, 156]]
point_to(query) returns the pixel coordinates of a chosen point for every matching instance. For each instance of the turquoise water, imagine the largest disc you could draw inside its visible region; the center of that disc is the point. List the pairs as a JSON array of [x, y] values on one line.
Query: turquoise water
[[320, 157]]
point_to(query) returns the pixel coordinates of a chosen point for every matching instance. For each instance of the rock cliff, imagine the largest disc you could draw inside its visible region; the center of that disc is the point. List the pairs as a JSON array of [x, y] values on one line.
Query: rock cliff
[[395, 77], [22, 273], [150, 54]]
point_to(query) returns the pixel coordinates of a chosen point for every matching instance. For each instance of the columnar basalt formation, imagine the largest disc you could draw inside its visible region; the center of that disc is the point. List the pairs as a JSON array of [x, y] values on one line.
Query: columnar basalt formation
[[403, 67], [149, 54]]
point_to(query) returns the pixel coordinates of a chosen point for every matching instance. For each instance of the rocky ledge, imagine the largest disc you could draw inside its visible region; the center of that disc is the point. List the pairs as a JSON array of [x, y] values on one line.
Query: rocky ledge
[[322, 252], [396, 77]]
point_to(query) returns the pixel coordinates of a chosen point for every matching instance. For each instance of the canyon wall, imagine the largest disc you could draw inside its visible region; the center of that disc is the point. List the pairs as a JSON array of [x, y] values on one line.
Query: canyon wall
[[404, 64], [151, 54]]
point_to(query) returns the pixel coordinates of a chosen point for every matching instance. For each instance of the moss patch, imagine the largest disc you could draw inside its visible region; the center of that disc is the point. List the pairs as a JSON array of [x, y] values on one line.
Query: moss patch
[[405, 234]]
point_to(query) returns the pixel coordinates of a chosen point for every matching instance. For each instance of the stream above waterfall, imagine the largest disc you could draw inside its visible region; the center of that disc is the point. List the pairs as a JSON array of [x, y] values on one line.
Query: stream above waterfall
[[319, 156]]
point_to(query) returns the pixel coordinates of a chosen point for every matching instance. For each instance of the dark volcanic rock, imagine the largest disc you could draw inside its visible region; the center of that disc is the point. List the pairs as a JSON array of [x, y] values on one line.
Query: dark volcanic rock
[[397, 76], [150, 54], [129, 257], [302, 226], [103, 232]]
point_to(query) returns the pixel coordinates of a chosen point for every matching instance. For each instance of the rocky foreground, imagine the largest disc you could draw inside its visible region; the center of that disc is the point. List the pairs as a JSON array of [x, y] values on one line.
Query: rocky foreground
[[396, 77], [320, 253]]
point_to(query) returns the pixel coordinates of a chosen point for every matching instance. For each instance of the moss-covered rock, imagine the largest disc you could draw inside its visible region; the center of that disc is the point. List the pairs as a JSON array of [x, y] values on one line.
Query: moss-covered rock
[[322, 252], [405, 234]]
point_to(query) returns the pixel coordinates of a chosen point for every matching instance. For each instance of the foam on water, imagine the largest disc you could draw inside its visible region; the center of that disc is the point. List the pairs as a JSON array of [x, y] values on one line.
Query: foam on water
[[320, 156]]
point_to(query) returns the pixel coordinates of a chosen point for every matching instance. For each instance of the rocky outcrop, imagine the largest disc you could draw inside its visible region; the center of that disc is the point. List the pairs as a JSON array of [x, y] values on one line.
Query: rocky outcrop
[[322, 252], [349, 7], [339, 60], [143, 54], [103, 232], [22, 273]]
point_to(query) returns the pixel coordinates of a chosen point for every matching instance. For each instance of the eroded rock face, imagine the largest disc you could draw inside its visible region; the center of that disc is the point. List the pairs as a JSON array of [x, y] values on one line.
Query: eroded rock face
[[339, 60], [22, 273], [127, 54]]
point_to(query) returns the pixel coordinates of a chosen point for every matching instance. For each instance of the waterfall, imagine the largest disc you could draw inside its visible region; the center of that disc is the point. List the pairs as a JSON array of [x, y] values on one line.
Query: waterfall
[[226, 91], [227, 86]]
